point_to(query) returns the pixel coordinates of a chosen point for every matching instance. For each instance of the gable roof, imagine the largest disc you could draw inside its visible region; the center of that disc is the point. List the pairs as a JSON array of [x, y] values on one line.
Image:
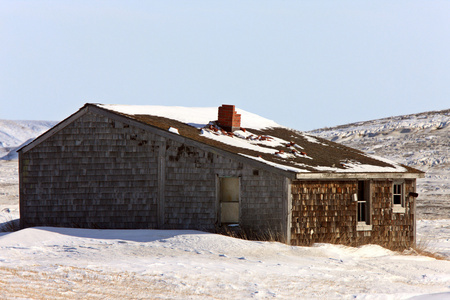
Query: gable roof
[[261, 140]]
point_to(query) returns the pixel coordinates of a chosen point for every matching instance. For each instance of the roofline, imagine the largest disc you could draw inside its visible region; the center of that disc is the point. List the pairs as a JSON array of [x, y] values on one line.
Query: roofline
[[368, 175], [90, 107], [49, 133]]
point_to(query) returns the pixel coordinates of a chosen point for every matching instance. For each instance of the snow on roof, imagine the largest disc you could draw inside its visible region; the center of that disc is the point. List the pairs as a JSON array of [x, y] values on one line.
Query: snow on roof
[[194, 116], [263, 140], [279, 166], [356, 167]]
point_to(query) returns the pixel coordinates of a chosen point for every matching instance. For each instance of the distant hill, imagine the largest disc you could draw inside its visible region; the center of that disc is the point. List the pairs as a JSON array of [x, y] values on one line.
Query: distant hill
[[419, 140], [15, 133]]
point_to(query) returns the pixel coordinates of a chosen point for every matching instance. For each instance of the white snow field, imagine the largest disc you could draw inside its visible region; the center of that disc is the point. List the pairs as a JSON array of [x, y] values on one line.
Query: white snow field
[[63, 263]]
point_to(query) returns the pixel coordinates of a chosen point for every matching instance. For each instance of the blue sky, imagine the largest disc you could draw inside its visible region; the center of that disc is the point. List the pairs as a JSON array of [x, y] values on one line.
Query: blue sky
[[304, 64]]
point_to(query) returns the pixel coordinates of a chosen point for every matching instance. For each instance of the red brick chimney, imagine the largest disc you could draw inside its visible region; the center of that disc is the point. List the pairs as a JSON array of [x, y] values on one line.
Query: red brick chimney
[[228, 118]]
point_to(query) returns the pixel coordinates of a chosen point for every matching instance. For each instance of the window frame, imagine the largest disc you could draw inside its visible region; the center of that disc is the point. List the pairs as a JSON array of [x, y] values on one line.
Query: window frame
[[229, 209], [364, 191], [398, 208]]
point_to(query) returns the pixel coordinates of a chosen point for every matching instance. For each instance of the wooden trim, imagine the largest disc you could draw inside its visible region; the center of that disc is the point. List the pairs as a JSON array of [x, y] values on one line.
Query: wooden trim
[[397, 209], [287, 209], [161, 183], [218, 209], [361, 226], [21, 194], [328, 176]]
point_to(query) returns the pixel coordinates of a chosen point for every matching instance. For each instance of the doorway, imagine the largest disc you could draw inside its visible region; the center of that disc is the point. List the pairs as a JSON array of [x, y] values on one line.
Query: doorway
[[229, 194]]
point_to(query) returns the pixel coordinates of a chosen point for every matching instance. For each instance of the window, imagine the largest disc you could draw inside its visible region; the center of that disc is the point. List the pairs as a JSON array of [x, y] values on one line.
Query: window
[[363, 214], [398, 198]]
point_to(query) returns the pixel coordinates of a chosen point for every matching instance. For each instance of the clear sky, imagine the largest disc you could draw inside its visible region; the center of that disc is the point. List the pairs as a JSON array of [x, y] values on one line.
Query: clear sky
[[303, 64]]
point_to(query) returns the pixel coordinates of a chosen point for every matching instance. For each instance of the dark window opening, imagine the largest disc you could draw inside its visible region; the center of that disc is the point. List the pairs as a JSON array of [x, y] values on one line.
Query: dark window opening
[[397, 194], [363, 205], [361, 211]]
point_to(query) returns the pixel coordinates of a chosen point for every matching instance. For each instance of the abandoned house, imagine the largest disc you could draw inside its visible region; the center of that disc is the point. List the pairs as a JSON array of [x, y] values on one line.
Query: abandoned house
[[126, 167]]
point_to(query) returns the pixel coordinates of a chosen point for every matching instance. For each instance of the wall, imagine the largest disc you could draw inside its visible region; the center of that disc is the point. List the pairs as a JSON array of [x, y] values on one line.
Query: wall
[[191, 197], [323, 211], [100, 172], [94, 173]]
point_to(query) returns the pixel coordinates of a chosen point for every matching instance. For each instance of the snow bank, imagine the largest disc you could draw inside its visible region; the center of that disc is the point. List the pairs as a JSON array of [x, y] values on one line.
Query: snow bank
[[180, 264]]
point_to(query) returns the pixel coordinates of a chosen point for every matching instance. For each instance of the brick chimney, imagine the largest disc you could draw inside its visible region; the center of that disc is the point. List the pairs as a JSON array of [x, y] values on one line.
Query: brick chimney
[[228, 118]]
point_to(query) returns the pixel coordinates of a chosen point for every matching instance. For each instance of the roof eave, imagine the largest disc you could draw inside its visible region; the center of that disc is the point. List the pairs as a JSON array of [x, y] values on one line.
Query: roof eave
[[368, 175]]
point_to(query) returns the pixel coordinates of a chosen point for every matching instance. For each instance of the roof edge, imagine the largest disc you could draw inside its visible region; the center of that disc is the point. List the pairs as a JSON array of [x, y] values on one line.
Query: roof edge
[[369, 175], [55, 129]]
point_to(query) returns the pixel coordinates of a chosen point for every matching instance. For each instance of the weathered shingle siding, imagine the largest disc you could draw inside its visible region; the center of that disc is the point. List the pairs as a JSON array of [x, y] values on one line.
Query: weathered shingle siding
[[100, 172], [191, 184], [190, 191], [393, 229], [93, 173], [265, 200], [323, 211]]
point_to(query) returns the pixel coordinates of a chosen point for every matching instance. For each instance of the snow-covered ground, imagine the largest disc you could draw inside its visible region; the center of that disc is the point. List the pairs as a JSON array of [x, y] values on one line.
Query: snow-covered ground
[[61, 263], [13, 134], [9, 186]]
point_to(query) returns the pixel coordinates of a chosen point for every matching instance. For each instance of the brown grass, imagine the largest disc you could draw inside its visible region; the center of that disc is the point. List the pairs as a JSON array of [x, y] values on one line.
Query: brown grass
[[422, 248], [8, 224], [252, 235], [66, 282]]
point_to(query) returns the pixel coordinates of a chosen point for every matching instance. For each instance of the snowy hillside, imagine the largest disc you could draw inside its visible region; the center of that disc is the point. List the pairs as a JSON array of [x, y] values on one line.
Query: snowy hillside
[[421, 141], [15, 133]]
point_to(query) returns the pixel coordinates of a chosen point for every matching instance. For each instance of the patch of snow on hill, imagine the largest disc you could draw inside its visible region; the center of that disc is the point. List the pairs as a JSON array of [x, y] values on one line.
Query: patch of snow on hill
[[420, 141], [14, 133]]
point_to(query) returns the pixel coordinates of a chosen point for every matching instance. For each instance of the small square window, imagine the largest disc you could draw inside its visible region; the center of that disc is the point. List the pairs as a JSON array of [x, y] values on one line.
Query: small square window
[[397, 194], [398, 198]]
